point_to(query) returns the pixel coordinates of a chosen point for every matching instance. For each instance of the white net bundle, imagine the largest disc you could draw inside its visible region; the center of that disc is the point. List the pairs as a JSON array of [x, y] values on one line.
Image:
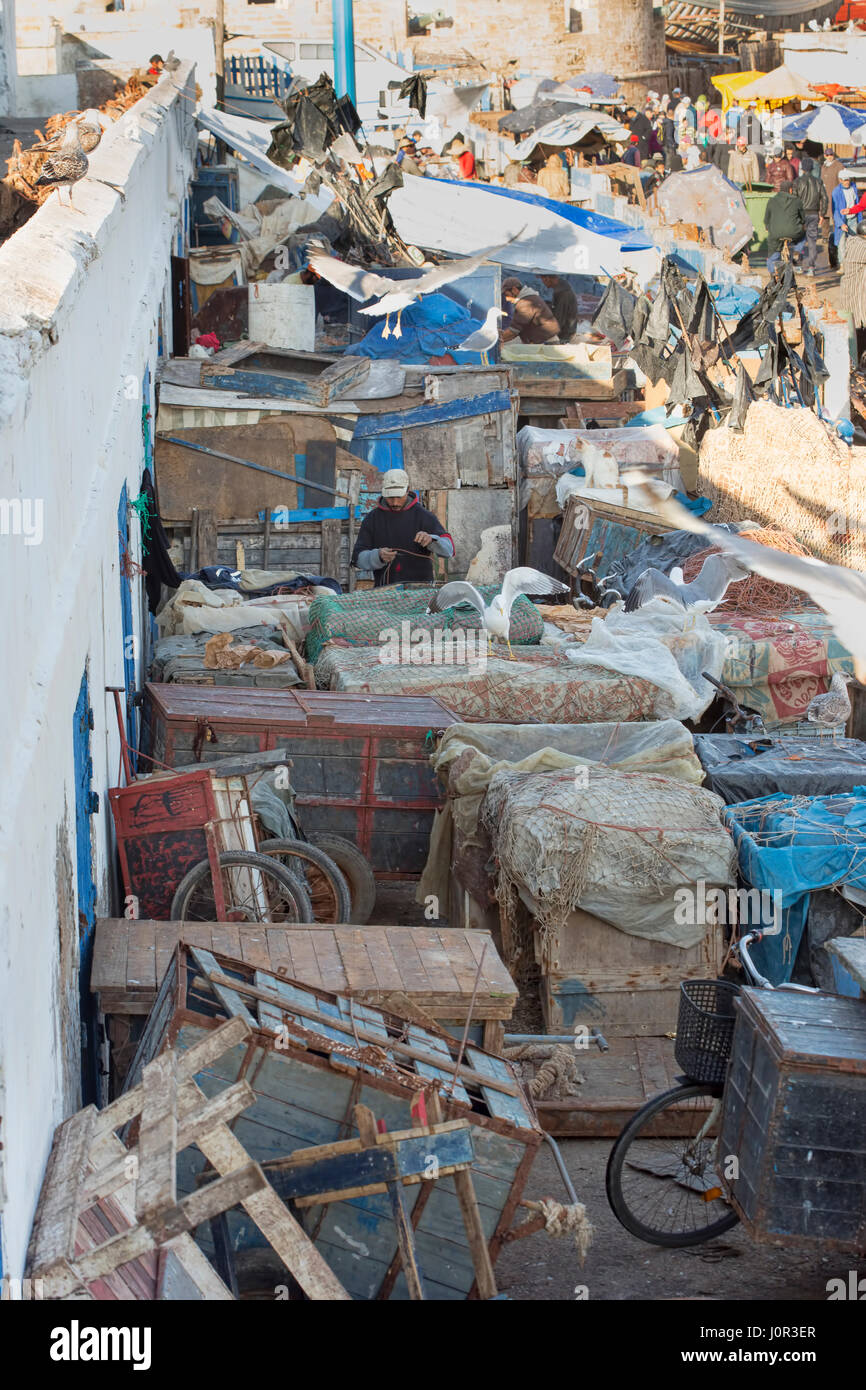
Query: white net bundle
[[617, 845]]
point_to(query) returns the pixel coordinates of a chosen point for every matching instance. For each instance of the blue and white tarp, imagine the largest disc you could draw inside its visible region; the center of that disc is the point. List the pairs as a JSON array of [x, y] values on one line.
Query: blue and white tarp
[[829, 123], [568, 129], [465, 218], [792, 845]]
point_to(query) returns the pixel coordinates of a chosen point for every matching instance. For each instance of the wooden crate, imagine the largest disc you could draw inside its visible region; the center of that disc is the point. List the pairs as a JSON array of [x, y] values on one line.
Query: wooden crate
[[625, 985], [435, 969], [309, 1061], [589, 526], [360, 764], [795, 1119]]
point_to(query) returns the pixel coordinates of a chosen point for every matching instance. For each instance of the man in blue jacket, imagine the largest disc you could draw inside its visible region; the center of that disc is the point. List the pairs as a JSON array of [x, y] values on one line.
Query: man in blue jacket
[[844, 220]]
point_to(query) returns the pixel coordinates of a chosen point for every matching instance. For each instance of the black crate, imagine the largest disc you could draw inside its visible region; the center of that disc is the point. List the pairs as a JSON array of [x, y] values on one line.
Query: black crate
[[794, 1117]]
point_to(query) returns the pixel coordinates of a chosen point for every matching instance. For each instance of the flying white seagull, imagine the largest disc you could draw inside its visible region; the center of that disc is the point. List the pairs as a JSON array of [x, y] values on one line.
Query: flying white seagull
[[496, 615], [839, 591], [393, 296], [705, 592]]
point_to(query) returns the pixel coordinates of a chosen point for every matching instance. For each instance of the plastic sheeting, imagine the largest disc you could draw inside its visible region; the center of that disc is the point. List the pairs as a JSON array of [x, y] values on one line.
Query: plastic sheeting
[[618, 845], [792, 845], [469, 755], [667, 647], [568, 129], [196, 608], [741, 769], [432, 327]]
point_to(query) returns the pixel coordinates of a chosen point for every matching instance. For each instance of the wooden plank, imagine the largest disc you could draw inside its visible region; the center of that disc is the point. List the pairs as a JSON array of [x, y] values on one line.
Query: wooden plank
[[320, 467], [111, 947], [430, 453], [157, 1141], [414, 976], [329, 562], [280, 952], [385, 968], [434, 959], [503, 1107], [53, 1234], [406, 1242], [225, 1153], [207, 537], [481, 1262], [141, 960], [437, 1072], [186, 1274], [228, 997], [357, 965]]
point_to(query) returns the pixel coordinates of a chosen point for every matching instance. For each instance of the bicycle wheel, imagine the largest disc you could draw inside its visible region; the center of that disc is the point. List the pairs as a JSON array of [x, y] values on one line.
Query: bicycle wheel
[[255, 888], [662, 1175], [356, 871], [328, 890]]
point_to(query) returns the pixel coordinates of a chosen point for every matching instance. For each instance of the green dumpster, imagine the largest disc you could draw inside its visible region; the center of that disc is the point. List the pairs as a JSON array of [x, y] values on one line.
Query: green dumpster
[[757, 198]]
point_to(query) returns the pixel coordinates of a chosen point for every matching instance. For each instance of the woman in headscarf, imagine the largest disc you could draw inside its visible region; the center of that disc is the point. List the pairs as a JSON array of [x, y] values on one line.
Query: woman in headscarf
[[553, 178]]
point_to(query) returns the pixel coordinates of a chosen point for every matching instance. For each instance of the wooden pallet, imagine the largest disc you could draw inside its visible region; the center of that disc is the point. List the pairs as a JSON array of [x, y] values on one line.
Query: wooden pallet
[[109, 1224], [435, 969]]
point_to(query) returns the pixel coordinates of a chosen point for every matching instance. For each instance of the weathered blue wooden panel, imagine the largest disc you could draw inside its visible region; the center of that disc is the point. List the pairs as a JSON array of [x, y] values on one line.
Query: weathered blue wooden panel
[[488, 404], [502, 1106]]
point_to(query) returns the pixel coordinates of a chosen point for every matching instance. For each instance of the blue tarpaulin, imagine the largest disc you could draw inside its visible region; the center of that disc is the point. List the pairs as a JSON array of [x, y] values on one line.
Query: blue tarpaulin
[[432, 327], [794, 845]]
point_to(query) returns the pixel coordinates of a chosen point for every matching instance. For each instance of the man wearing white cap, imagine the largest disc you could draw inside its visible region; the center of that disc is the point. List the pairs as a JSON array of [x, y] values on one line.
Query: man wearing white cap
[[398, 536]]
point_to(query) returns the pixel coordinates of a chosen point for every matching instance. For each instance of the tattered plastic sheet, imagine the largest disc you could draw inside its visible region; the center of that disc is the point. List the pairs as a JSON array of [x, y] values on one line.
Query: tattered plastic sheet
[[705, 198], [664, 645]]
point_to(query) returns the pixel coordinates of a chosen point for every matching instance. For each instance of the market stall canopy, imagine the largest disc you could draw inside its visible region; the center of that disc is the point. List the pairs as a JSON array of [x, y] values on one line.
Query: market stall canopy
[[531, 117], [444, 215], [779, 85], [251, 140], [586, 88], [730, 84], [567, 130], [829, 123], [706, 198]]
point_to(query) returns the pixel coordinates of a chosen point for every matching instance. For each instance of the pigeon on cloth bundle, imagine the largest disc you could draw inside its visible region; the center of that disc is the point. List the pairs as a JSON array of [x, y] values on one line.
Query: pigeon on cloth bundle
[[840, 592], [496, 615], [393, 296]]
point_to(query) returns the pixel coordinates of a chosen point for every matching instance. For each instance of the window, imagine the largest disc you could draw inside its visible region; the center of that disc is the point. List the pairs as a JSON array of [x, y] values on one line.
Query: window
[[574, 21], [316, 50]]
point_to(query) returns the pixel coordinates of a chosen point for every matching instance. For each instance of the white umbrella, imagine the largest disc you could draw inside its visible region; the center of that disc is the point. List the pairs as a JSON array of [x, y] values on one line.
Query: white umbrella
[[830, 123]]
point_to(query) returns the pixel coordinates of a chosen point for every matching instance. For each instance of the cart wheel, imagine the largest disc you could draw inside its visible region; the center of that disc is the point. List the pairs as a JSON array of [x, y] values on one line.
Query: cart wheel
[[355, 869], [328, 890], [255, 888]]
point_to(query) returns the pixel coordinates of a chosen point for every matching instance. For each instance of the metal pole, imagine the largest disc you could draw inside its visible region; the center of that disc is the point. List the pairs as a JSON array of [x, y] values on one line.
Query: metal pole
[[219, 41], [344, 49], [721, 26]]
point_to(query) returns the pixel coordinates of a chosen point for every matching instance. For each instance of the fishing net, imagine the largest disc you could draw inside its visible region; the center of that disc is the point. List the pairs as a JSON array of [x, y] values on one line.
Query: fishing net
[[618, 847], [786, 469], [362, 619], [755, 594]]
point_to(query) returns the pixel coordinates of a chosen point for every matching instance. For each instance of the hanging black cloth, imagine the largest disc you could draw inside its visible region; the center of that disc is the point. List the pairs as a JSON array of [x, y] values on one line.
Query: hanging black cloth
[[414, 90], [156, 562], [640, 317], [615, 313], [743, 396], [315, 118]]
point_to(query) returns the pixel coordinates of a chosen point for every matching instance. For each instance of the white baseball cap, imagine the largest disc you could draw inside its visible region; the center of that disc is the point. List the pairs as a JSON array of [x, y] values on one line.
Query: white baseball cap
[[395, 483]]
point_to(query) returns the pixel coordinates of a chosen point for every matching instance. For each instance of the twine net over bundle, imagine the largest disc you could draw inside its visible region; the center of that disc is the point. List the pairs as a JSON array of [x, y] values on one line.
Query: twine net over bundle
[[756, 594]]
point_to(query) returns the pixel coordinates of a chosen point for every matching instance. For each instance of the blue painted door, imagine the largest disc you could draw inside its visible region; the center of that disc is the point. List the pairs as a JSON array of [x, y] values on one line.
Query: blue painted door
[[86, 805], [128, 628]]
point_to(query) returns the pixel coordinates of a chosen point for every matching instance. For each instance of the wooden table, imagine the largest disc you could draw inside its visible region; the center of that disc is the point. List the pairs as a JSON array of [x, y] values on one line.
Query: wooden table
[[435, 969]]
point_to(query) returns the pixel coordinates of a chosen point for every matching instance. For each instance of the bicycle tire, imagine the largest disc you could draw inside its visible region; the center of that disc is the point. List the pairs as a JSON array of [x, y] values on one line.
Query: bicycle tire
[[292, 892], [327, 888], [355, 869], [666, 1186]]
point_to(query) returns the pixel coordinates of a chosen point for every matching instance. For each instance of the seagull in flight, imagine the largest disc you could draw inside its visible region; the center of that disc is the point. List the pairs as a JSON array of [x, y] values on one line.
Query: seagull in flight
[[705, 592], [484, 338], [839, 591], [393, 296], [496, 615]]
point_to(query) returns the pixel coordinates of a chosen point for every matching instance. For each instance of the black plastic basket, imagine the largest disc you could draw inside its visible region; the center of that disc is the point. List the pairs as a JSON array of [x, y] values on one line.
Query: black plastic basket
[[705, 1028]]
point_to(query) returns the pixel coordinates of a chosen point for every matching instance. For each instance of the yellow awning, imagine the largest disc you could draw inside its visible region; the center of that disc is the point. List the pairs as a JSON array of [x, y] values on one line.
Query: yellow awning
[[728, 83]]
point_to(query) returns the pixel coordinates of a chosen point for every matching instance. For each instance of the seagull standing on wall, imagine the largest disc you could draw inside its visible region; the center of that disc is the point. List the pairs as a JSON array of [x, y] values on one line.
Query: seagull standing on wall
[[496, 615], [66, 166], [90, 124], [392, 295]]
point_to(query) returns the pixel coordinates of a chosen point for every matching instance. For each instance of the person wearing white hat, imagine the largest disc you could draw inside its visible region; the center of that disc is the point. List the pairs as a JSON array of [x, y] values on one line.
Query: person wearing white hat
[[397, 538]]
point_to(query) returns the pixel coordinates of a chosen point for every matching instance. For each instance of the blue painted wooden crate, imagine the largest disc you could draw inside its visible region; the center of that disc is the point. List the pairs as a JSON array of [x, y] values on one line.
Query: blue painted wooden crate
[[305, 1096]]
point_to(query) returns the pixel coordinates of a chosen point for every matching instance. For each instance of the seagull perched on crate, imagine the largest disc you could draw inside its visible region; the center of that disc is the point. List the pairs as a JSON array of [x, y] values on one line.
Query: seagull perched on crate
[[496, 615], [832, 708], [484, 338], [839, 591], [392, 295]]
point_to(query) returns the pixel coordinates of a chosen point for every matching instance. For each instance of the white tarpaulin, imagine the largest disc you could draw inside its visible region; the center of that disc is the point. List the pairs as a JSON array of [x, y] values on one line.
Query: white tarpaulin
[[448, 111], [567, 130], [251, 139], [465, 218]]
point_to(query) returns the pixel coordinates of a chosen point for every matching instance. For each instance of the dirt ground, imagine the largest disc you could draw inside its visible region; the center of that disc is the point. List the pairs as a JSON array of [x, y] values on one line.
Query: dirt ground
[[619, 1266]]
